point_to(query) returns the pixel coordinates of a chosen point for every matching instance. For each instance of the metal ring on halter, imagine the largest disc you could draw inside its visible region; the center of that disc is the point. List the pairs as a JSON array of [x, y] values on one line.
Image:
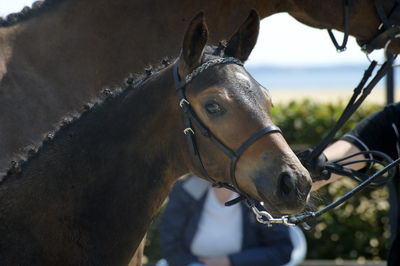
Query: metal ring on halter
[[387, 45], [181, 102], [385, 50], [188, 129], [265, 217], [307, 215]]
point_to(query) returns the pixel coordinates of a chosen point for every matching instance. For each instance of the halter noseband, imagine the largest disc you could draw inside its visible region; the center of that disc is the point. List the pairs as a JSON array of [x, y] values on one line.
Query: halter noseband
[[192, 122]]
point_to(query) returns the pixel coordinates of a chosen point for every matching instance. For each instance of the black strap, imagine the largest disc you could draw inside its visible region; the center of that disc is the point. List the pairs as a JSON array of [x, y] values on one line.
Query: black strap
[[382, 14], [255, 136], [311, 215], [353, 104], [375, 159], [379, 40], [387, 31], [246, 144], [193, 124], [346, 11]]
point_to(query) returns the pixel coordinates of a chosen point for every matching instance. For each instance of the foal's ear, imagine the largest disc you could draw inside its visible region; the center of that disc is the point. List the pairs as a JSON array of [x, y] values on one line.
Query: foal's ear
[[194, 41], [243, 41]]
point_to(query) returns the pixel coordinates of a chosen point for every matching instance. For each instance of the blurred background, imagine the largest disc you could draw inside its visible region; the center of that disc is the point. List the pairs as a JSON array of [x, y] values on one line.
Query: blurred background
[[310, 84]]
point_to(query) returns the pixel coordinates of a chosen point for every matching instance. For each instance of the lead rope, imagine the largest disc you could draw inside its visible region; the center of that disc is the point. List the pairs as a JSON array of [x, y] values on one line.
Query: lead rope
[[356, 100], [265, 218], [353, 104]]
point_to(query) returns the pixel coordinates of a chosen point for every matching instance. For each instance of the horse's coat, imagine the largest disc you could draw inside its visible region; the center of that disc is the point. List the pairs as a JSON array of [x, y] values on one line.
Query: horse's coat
[[56, 58], [88, 194]]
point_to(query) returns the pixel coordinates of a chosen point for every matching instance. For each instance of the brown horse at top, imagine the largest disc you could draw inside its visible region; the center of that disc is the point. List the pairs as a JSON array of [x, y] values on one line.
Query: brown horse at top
[[58, 55], [88, 194]]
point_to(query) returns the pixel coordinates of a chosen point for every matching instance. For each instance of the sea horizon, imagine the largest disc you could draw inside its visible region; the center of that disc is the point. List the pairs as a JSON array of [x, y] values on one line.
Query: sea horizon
[[342, 77]]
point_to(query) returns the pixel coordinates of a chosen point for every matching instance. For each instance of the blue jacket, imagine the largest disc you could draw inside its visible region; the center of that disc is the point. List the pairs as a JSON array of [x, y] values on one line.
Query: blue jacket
[[381, 131], [261, 245]]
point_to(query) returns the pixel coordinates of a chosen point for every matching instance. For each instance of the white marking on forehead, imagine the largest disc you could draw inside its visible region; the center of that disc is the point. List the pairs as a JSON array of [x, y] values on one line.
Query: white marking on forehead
[[242, 76]]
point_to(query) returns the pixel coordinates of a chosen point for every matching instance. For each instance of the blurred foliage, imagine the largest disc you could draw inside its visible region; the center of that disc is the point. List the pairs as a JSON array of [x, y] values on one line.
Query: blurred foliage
[[307, 122], [152, 246], [357, 230]]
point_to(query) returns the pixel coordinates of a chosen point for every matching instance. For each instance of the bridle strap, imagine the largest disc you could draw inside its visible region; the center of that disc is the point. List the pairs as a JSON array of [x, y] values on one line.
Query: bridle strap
[[304, 217], [387, 31], [381, 13], [246, 144], [359, 95], [193, 123], [346, 11]]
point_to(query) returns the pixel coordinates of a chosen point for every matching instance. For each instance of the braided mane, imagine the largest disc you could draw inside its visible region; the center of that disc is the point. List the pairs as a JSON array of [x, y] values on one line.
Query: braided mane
[[38, 7], [20, 160]]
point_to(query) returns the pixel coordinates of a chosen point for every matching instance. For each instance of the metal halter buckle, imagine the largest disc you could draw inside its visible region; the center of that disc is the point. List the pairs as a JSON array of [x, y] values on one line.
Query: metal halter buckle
[[188, 129], [181, 102], [264, 217]]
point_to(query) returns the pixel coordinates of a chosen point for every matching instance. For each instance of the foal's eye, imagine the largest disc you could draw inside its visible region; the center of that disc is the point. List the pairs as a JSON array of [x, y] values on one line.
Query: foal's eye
[[214, 108]]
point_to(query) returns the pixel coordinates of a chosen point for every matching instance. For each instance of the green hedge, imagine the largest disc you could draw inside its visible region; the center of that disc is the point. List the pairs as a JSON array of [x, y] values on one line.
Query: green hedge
[[359, 228], [356, 230], [306, 122]]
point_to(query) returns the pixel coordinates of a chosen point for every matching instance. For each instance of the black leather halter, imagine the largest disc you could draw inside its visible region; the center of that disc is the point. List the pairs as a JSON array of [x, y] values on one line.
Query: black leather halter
[[193, 125], [346, 11], [387, 31]]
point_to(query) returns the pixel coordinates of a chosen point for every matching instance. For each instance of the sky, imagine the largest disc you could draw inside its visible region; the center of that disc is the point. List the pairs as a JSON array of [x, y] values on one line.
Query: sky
[[282, 42]]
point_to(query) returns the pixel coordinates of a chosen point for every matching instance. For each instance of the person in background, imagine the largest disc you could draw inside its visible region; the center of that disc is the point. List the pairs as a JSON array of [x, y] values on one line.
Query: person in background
[[379, 131], [197, 229]]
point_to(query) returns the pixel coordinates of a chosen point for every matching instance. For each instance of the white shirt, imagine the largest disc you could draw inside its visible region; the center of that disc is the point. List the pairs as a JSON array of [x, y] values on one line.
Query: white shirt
[[219, 232]]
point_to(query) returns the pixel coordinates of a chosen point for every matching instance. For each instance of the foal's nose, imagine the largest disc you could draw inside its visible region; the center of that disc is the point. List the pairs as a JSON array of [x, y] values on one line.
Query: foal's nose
[[287, 183]]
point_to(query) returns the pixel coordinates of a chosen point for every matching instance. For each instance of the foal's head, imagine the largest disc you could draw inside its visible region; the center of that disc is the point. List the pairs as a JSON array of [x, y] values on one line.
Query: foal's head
[[236, 109]]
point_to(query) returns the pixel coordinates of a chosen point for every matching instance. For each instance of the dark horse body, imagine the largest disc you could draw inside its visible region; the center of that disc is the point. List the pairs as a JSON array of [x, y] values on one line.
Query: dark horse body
[[63, 54], [87, 196]]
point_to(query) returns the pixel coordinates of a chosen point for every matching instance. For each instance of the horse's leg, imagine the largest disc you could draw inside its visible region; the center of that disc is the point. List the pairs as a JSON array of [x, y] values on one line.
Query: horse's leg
[[138, 256]]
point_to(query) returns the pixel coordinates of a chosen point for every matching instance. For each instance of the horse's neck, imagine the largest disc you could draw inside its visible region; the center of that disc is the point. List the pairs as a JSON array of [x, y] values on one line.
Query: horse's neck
[[101, 180], [95, 44], [58, 60], [106, 39]]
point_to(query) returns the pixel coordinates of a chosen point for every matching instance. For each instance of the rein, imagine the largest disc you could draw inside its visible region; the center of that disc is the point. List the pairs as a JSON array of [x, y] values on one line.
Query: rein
[[304, 217], [387, 31], [193, 125], [339, 166]]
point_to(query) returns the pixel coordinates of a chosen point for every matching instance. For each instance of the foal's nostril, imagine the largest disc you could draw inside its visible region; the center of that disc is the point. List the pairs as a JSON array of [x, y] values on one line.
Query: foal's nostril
[[287, 183]]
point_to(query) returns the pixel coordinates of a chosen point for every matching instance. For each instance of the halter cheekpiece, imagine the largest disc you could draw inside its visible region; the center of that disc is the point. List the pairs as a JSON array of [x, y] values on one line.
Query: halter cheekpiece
[[193, 124]]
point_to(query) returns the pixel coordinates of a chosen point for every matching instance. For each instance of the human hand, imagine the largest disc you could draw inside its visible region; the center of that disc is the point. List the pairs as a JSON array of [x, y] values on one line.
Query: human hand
[[219, 261], [316, 167]]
